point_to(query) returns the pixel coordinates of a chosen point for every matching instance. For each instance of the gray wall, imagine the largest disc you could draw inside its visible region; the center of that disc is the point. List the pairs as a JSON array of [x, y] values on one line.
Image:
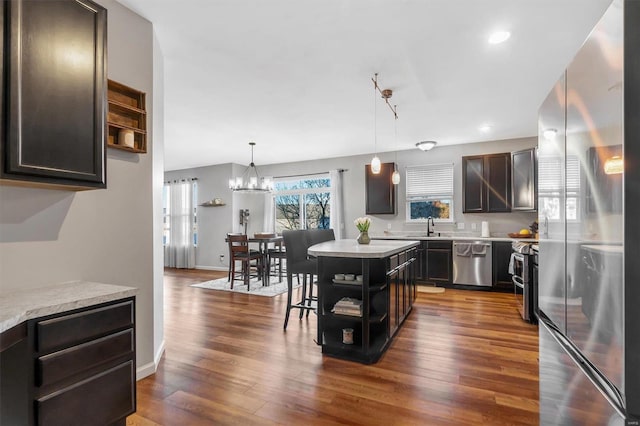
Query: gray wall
[[213, 182], [49, 237]]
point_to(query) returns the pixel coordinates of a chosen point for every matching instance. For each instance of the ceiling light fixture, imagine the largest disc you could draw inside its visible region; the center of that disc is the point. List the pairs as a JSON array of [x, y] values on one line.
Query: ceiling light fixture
[[376, 165], [426, 145], [485, 129], [499, 37], [250, 181]]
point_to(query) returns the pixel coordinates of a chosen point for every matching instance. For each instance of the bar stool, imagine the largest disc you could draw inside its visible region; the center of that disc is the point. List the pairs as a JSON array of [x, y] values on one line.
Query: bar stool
[[297, 243]]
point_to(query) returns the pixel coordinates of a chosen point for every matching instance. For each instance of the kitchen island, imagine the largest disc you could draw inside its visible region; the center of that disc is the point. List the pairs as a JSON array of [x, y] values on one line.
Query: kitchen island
[[369, 289]]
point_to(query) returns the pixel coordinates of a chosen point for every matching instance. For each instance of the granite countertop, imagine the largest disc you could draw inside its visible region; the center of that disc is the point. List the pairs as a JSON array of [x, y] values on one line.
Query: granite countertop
[[376, 249], [20, 306], [447, 238]]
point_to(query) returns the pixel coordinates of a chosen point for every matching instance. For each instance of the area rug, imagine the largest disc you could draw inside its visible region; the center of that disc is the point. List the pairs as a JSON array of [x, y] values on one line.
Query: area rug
[[429, 289], [256, 287]]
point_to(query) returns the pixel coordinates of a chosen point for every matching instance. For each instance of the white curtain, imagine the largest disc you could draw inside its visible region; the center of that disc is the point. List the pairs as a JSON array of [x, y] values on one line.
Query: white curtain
[[268, 224], [181, 251], [336, 220]]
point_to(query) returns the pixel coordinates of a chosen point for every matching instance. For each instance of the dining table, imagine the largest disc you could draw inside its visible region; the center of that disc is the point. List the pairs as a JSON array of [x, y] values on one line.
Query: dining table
[[263, 242]]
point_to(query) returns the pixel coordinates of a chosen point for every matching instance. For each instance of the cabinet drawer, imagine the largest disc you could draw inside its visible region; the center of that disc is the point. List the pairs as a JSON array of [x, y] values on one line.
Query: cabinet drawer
[[68, 330], [70, 361], [101, 399], [446, 245]]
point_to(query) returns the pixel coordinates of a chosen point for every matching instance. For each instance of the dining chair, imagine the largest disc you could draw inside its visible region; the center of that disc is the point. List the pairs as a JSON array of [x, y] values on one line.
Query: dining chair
[[239, 252], [230, 263], [297, 243]]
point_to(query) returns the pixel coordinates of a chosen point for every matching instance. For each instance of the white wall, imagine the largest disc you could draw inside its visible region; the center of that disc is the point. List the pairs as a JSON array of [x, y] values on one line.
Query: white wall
[[48, 236], [213, 182]]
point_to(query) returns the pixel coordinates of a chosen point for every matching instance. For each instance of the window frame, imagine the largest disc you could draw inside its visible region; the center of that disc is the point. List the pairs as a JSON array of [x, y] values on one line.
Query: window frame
[[301, 193], [431, 196]]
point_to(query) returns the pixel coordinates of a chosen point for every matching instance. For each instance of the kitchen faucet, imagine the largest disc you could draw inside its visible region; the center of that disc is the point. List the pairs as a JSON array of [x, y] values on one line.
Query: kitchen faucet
[[430, 224]]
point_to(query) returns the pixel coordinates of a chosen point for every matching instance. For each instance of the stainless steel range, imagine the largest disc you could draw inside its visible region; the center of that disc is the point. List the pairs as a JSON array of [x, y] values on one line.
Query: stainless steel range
[[521, 269]]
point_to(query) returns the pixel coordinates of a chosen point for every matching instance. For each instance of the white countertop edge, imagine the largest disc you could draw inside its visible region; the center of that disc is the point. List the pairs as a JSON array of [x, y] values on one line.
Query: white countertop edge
[[20, 306], [376, 249], [451, 238]]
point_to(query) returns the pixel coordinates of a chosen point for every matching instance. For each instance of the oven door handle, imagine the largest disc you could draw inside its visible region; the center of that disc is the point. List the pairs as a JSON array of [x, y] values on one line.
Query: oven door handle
[[517, 281]]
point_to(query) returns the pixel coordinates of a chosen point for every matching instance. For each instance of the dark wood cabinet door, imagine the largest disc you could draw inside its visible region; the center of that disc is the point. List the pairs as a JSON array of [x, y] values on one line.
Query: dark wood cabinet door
[[54, 83], [498, 182], [439, 262], [473, 186], [501, 256], [380, 191], [524, 194]]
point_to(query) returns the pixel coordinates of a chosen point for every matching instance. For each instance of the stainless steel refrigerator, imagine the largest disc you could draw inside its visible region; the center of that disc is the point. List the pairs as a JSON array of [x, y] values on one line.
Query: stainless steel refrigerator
[[589, 215]]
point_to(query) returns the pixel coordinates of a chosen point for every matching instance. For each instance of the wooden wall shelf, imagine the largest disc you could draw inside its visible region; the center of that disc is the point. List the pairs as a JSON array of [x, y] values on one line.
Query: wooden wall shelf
[[127, 112]]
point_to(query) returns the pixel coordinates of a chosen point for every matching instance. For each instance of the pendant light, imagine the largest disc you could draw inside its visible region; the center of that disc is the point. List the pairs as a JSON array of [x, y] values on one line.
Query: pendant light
[[376, 166], [395, 177], [250, 181]]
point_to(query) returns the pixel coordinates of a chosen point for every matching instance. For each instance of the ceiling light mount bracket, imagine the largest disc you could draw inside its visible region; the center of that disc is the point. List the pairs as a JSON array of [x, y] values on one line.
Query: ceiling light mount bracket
[[386, 95]]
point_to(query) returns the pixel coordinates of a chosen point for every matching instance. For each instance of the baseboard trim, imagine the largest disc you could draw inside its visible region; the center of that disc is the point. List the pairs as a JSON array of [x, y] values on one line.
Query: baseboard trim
[[212, 268], [151, 367]]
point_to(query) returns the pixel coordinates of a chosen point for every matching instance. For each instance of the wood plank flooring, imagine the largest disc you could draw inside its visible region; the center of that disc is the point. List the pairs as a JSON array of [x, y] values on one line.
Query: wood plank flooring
[[462, 358]]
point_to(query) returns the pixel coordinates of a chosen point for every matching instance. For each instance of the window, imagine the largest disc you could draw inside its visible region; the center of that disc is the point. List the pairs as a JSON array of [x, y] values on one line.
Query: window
[[430, 193], [550, 187], [184, 206], [302, 203]]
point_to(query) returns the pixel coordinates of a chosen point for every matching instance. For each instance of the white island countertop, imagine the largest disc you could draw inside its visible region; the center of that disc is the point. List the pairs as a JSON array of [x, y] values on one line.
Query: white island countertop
[[376, 249], [20, 306], [450, 237]]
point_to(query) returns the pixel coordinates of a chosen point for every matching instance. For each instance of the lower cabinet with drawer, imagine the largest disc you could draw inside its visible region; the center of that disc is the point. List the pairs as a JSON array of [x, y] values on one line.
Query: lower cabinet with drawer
[[81, 366]]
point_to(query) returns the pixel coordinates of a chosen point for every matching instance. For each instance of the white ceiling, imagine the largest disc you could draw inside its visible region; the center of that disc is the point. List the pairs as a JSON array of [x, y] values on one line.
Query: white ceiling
[[295, 75]]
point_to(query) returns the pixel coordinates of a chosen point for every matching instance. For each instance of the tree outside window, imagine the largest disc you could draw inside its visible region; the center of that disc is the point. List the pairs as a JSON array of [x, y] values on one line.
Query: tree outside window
[[303, 203]]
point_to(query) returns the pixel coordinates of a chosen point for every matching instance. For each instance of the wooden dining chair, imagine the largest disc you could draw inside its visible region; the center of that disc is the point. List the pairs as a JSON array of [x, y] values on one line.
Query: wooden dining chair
[[230, 263], [239, 252]]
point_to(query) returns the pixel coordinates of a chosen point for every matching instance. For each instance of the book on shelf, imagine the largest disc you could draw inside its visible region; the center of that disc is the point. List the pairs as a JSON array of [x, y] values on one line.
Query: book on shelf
[[348, 306]]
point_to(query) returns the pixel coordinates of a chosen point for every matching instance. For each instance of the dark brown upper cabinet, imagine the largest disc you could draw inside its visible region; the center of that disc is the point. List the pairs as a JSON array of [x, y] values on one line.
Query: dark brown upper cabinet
[[380, 191], [524, 188], [486, 183], [53, 73]]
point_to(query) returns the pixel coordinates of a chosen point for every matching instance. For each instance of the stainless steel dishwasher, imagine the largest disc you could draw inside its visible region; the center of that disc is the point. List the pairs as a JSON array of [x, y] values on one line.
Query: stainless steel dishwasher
[[472, 263]]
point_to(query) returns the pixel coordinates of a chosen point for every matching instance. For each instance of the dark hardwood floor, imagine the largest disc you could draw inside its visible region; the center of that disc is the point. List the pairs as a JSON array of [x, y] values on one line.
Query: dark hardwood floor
[[462, 358]]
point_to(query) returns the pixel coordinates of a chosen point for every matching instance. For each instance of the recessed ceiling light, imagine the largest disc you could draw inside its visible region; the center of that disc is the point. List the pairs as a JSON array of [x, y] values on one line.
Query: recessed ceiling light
[[485, 128], [499, 37]]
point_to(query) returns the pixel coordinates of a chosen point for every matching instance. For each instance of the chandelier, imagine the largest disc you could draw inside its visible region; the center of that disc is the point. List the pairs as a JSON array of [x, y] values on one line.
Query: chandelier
[[250, 181]]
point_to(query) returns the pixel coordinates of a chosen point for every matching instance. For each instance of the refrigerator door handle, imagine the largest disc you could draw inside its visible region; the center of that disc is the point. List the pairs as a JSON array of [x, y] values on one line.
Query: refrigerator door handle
[[606, 388]]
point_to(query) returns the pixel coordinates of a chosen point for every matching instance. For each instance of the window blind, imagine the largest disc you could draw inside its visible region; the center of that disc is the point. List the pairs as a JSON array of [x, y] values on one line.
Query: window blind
[[429, 180]]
